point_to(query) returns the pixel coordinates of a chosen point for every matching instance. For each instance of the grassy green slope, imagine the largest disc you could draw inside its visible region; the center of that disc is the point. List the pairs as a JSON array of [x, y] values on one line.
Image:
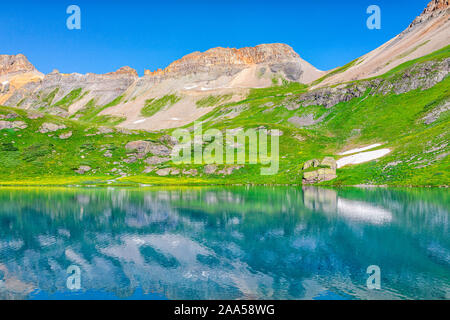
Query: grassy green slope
[[419, 151]]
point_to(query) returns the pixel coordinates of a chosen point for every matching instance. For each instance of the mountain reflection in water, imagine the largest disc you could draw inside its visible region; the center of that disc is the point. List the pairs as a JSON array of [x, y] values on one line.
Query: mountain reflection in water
[[224, 243]]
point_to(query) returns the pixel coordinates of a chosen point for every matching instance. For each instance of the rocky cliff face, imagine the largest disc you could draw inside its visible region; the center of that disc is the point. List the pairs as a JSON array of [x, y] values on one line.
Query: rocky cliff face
[[81, 89], [229, 61], [428, 33], [433, 10], [10, 64], [215, 69]]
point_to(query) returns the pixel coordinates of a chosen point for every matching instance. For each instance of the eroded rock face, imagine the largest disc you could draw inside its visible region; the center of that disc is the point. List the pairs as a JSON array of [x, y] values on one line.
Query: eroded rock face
[[433, 9], [216, 62], [228, 60], [311, 163], [323, 174], [103, 88], [14, 64], [422, 76]]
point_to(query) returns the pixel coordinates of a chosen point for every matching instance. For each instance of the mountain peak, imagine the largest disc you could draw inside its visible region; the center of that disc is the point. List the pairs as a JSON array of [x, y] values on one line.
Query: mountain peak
[[434, 8], [124, 71], [231, 57], [14, 64]]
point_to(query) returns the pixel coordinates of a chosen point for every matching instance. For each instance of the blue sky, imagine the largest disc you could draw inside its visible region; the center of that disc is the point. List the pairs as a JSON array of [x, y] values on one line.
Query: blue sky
[[151, 34]]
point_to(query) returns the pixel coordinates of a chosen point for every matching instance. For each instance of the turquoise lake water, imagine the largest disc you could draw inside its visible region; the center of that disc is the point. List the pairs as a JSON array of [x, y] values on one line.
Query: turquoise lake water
[[224, 243]]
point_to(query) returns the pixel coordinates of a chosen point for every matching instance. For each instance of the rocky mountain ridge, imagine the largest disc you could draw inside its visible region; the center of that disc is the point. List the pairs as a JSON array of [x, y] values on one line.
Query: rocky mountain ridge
[[215, 74]]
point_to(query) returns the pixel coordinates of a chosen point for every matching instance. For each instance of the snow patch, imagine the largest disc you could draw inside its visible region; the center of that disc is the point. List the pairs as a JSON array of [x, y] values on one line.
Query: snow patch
[[360, 149], [362, 157]]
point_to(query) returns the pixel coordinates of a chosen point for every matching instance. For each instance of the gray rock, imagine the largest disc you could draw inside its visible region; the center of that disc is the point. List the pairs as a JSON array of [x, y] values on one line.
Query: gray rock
[[83, 169], [433, 115], [12, 125], [108, 154], [191, 172], [164, 172], [9, 116], [35, 115], [156, 160], [131, 159], [323, 174], [149, 169], [229, 170], [171, 141], [145, 147], [329, 162], [66, 135], [210, 169], [311, 164], [51, 127], [104, 130]]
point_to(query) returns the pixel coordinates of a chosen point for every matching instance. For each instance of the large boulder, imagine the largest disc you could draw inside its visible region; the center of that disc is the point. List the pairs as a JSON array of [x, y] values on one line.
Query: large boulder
[[166, 171], [311, 163], [66, 135], [83, 169], [329, 162], [326, 172]]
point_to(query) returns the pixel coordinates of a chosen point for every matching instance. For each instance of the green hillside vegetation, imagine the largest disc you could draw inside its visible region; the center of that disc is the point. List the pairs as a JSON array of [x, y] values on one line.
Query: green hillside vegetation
[[418, 157], [152, 106]]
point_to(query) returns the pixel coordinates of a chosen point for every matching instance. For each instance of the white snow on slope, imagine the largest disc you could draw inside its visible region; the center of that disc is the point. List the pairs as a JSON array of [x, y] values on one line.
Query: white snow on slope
[[360, 149], [362, 157]]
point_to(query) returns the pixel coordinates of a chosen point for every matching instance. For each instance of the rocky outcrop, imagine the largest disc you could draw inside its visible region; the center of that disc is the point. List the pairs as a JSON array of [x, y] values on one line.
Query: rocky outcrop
[[51, 127], [12, 125], [433, 9], [156, 160], [229, 61], [326, 170], [13, 64], [83, 169], [101, 88], [64, 136], [420, 76]]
